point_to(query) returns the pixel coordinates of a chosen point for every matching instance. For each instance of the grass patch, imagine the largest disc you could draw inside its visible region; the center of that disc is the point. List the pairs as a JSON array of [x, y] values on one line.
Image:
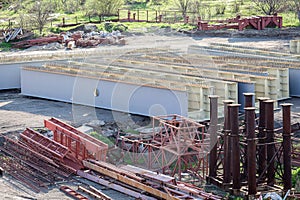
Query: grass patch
[[102, 138], [4, 46]]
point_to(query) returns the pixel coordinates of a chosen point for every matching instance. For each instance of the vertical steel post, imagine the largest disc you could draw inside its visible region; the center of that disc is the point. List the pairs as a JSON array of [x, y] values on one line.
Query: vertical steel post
[[227, 144], [248, 103], [287, 171], [248, 99], [234, 120], [270, 141], [262, 151], [213, 135], [251, 149]]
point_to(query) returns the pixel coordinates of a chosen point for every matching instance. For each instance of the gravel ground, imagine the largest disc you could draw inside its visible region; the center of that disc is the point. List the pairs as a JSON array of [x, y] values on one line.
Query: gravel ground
[[18, 112]]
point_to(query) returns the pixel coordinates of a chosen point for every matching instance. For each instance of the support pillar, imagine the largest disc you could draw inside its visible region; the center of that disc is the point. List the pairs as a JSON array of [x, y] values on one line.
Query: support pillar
[[227, 144], [249, 100], [213, 135], [251, 149], [262, 150], [247, 104], [270, 142], [236, 174], [287, 170]]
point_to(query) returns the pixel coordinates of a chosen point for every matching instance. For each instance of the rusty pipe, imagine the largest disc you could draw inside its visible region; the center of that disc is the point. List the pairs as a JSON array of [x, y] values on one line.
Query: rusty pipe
[[213, 135], [287, 171], [248, 99], [234, 119], [227, 143], [251, 149], [270, 141], [262, 150]]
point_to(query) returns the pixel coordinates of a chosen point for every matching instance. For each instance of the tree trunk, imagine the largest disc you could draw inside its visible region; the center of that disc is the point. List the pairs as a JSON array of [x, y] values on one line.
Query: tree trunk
[[298, 13]]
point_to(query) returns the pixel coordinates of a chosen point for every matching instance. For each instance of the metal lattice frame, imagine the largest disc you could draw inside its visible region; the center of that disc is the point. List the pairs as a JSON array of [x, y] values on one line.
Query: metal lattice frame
[[176, 145]]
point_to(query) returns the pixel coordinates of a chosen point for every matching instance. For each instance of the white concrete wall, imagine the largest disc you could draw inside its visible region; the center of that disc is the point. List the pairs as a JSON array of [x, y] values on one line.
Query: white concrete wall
[[10, 75], [118, 96]]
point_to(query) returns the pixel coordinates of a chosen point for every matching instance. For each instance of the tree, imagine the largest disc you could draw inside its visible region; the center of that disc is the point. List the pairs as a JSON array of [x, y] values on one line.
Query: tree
[[270, 7], [103, 7], [39, 12], [183, 6], [295, 6]]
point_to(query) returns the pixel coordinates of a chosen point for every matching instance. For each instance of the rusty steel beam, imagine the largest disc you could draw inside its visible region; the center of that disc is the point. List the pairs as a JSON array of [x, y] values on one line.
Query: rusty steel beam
[[251, 149], [287, 171], [113, 185], [234, 119], [262, 150], [213, 135], [227, 144], [35, 138], [270, 142], [101, 194], [85, 145], [72, 193], [129, 181]]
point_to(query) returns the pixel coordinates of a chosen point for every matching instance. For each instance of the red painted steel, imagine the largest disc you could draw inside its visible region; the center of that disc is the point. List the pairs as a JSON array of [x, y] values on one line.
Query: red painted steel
[[256, 22], [81, 145], [73, 193]]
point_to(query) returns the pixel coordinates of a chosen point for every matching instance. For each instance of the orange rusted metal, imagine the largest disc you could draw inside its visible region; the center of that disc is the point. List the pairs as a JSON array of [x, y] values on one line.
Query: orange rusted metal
[[81, 145]]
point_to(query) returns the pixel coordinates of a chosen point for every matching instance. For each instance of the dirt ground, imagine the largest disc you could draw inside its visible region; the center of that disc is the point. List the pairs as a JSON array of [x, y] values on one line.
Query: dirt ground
[[18, 112]]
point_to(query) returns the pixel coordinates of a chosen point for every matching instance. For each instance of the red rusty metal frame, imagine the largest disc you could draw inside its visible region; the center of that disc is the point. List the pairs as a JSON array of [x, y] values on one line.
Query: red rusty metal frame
[[73, 193], [177, 145], [33, 138], [256, 22], [81, 145]]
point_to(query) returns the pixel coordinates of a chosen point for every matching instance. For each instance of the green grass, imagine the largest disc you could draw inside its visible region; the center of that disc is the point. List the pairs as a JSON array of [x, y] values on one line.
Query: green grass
[[102, 138], [5, 46]]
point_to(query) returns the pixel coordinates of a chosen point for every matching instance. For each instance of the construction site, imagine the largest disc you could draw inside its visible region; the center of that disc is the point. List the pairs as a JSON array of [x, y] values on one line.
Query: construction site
[[187, 118]]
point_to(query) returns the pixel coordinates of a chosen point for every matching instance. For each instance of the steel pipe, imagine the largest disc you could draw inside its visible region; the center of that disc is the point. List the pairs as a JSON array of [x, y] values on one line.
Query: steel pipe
[[269, 105], [227, 144], [262, 150], [287, 172], [213, 135], [234, 119], [251, 149]]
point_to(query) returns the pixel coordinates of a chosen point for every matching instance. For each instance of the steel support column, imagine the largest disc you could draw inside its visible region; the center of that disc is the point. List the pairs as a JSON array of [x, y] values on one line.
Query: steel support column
[[270, 142], [248, 103], [227, 144], [287, 172], [249, 99], [251, 149], [234, 119], [213, 135], [262, 150]]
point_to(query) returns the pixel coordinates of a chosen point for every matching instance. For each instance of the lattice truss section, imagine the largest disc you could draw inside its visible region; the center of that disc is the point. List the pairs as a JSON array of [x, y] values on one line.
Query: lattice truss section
[[175, 145]]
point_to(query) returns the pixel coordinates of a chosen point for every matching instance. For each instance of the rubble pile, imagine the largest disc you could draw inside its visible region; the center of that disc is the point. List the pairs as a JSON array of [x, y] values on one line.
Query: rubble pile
[[76, 39]]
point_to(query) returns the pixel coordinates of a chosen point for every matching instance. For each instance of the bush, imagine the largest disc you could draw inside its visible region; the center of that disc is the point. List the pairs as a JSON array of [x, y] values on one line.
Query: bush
[[120, 27]]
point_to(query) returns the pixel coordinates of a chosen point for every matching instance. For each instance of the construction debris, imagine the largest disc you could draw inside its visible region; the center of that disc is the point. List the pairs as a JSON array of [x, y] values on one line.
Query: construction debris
[[256, 22], [76, 39]]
